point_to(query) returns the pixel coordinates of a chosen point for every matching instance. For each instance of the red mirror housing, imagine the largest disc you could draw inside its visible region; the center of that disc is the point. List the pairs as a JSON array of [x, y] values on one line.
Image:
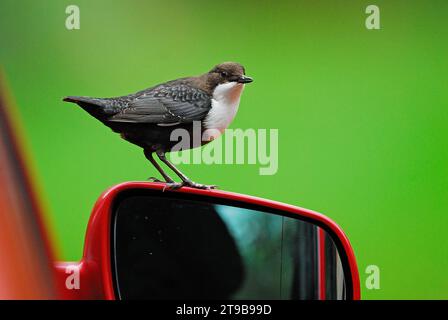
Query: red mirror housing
[[92, 277]]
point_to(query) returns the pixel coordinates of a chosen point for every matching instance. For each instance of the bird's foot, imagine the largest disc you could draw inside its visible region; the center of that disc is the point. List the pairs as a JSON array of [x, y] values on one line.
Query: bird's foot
[[154, 179], [173, 186], [195, 185]]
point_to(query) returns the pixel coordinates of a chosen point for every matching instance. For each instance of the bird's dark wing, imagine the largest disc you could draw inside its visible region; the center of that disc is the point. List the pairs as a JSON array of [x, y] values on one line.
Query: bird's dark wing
[[165, 104]]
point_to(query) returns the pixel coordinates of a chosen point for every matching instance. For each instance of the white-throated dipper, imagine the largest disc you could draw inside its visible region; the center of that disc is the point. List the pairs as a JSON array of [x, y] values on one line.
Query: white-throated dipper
[[147, 118]]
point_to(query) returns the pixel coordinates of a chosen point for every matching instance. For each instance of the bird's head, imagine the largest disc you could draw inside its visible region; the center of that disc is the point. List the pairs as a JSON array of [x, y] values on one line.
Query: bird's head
[[229, 72]]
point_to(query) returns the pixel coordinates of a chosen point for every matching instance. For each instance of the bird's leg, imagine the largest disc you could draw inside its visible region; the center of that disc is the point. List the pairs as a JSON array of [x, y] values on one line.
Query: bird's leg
[[170, 182], [185, 180]]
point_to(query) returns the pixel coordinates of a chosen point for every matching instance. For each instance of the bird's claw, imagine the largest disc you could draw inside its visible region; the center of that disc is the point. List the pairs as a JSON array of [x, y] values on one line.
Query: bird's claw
[[195, 185], [172, 186]]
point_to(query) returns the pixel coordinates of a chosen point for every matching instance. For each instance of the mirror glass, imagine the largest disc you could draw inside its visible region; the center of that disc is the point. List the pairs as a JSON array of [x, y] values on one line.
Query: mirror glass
[[172, 248]]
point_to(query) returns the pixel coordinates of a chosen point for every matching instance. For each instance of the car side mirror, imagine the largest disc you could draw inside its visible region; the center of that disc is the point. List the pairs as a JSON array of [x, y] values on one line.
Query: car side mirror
[[147, 243]]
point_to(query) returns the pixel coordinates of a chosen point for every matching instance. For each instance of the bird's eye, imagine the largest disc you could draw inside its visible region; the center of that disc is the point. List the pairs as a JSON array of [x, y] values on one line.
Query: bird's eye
[[223, 74]]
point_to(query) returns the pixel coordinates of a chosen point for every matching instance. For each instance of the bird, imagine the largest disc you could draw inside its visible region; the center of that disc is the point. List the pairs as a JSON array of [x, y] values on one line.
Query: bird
[[148, 117]]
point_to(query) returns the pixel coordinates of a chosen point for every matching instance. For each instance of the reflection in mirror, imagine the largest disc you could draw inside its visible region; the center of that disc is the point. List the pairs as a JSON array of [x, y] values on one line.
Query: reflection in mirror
[[168, 248]]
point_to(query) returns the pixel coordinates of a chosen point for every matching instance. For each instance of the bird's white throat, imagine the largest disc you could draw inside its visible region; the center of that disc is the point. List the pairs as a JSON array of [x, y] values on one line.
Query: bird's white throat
[[225, 102]]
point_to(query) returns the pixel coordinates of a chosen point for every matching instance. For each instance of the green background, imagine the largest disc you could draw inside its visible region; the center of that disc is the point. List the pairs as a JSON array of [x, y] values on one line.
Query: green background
[[362, 114]]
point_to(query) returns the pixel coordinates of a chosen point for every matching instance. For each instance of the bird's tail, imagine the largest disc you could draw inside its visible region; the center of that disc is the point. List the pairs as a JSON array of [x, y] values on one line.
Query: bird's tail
[[97, 107]]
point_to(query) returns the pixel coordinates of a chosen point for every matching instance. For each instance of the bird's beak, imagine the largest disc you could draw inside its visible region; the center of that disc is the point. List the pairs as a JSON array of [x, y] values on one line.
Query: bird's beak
[[244, 79]]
